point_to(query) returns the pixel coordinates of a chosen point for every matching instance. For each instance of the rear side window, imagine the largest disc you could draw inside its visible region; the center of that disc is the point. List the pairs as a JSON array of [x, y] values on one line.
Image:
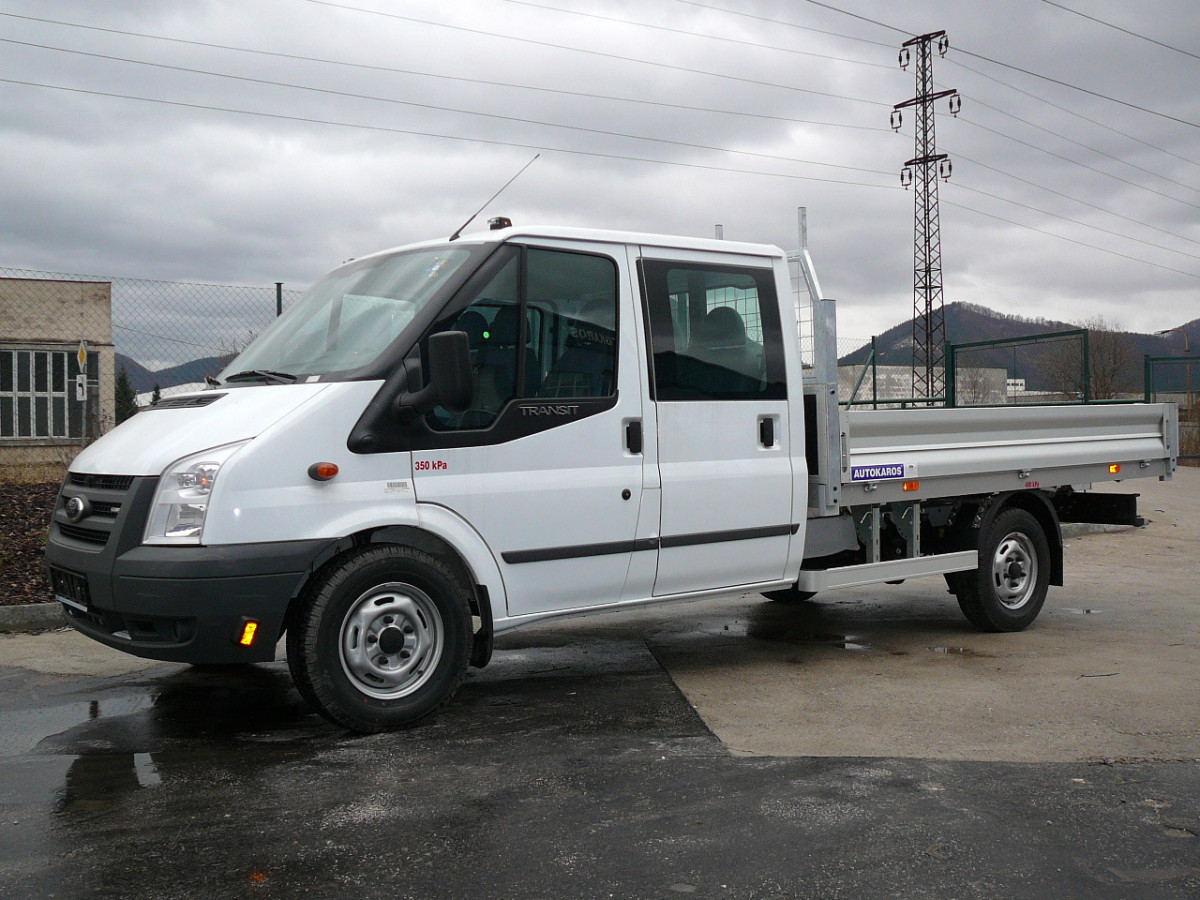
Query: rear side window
[[714, 332]]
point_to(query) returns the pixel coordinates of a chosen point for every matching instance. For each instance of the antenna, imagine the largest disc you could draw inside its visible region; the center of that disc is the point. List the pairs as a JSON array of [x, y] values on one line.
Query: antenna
[[454, 237]]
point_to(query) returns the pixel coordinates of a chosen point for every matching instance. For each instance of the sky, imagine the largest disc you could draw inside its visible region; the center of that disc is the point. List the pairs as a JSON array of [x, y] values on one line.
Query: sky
[[249, 143]]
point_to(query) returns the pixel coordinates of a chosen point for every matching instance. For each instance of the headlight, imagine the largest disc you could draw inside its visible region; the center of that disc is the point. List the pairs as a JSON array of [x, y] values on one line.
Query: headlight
[[181, 502]]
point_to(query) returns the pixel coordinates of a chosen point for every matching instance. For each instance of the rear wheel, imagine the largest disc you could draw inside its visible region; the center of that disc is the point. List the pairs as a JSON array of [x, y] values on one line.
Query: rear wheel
[[1007, 591], [381, 639]]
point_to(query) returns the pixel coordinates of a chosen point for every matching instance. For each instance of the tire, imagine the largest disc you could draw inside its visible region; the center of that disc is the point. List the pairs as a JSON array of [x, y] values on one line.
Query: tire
[[1007, 591], [792, 594], [381, 638]]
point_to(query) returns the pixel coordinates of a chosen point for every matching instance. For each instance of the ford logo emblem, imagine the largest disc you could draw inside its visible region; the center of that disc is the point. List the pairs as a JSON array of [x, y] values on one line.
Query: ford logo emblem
[[77, 508]]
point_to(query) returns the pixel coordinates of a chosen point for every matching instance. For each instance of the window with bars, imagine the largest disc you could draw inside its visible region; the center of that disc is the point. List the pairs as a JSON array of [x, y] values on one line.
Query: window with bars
[[37, 393]]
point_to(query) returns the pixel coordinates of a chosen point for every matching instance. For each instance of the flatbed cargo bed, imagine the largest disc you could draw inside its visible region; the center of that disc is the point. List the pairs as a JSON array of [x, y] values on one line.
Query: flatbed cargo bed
[[921, 454]]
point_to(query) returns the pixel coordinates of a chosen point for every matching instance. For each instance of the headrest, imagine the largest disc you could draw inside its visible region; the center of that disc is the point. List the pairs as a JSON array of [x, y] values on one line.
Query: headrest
[[474, 324], [506, 327], [722, 327]]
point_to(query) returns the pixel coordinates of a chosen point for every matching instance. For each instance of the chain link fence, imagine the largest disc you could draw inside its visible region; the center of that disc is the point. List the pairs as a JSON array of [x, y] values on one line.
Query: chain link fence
[[81, 353]]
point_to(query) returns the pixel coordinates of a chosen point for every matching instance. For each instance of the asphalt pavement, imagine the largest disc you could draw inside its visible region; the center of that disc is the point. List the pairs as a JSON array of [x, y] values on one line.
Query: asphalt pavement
[[868, 745]]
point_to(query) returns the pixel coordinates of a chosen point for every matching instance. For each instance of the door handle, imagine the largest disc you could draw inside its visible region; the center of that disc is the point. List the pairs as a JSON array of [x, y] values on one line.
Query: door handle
[[766, 431], [633, 436]]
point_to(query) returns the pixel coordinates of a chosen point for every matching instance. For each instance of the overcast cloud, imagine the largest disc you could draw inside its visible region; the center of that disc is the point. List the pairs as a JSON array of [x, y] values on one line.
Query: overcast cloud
[[1053, 216]]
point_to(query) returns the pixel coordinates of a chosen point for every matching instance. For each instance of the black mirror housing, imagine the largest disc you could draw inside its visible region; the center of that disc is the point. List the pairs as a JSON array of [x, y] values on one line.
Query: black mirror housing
[[449, 378]]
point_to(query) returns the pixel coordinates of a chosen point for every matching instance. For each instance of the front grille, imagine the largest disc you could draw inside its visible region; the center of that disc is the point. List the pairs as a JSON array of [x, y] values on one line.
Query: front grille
[[106, 510], [101, 482], [84, 535]]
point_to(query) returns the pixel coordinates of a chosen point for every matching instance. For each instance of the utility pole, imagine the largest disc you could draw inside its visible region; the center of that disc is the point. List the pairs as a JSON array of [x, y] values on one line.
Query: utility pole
[[923, 171]]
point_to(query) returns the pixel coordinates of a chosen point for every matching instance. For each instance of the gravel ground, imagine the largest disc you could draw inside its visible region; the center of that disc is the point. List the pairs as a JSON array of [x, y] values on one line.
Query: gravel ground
[[24, 518]]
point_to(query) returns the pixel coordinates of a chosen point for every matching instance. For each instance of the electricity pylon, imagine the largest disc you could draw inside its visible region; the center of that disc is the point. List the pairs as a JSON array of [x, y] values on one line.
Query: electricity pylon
[[922, 172]]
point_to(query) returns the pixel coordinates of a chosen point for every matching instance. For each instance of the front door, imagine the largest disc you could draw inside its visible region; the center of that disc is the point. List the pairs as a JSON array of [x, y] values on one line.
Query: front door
[[541, 465], [720, 393]]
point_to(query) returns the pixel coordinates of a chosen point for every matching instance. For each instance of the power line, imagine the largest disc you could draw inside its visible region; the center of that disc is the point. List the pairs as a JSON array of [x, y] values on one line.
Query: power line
[[1044, 212], [600, 53], [688, 33], [1120, 29], [846, 12], [977, 102], [1074, 162], [1071, 112], [587, 153], [459, 78], [473, 140], [1060, 237], [785, 23], [1005, 65], [430, 106], [1095, 206]]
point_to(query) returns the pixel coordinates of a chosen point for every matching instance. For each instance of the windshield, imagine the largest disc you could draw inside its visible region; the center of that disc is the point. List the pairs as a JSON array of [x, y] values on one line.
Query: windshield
[[347, 319]]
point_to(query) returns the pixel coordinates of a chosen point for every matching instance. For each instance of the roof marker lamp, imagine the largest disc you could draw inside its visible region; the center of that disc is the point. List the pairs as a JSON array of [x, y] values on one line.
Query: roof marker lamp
[[181, 503]]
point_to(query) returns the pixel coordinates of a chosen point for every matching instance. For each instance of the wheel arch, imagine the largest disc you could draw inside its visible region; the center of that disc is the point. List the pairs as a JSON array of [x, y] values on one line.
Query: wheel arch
[[486, 587], [1038, 505]]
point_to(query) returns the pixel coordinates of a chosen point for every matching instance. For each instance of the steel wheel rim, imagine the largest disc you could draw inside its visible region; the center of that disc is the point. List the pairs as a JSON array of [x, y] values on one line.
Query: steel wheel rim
[[1014, 570], [391, 640]]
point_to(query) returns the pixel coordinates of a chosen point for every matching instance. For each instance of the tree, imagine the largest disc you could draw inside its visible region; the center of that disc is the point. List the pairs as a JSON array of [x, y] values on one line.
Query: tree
[[156, 396], [1111, 362], [125, 401], [1112, 359]]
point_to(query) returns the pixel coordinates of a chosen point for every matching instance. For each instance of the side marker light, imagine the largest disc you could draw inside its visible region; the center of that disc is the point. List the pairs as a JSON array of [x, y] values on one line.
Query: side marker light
[[912, 485], [1114, 469], [249, 633], [322, 471]]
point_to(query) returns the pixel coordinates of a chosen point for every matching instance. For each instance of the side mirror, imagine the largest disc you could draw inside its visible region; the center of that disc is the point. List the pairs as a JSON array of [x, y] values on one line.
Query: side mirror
[[448, 382]]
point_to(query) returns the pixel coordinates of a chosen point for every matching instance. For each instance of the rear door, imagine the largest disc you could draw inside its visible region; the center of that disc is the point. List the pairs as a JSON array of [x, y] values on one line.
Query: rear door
[[720, 392]]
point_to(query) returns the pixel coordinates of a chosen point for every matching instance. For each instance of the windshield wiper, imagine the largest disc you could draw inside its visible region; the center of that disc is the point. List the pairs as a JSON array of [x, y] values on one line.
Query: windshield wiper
[[264, 374]]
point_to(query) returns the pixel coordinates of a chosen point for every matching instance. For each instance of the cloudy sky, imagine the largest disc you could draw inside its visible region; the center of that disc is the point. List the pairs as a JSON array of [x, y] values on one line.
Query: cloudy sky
[[247, 143]]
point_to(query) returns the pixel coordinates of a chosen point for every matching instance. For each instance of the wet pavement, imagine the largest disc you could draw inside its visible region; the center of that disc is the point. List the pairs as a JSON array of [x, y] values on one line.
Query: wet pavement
[[571, 767]]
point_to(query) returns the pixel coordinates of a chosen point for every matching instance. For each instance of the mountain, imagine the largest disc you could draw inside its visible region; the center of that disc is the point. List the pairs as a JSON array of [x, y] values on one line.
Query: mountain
[[144, 379], [1040, 364]]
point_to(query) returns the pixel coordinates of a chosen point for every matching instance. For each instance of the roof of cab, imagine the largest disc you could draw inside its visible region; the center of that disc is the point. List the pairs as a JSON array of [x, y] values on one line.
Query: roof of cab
[[600, 236]]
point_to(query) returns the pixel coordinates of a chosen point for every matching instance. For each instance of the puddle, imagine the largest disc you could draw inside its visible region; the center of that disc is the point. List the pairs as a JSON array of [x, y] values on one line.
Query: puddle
[[1081, 612], [953, 651], [21, 731], [812, 638]]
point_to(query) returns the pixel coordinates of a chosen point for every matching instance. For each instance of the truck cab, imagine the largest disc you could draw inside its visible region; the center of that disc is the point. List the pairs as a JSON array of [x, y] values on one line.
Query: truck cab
[[446, 441]]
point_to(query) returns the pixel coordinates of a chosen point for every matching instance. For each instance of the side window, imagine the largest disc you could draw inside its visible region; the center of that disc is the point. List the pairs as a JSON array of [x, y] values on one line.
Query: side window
[[543, 326], [576, 295], [714, 332]]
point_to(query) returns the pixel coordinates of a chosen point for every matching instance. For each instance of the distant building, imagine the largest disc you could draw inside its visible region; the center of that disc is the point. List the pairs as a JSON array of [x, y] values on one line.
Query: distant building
[[975, 386], [45, 414]]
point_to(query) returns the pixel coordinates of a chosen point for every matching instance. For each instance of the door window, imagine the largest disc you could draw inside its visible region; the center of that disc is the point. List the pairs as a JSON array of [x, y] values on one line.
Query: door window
[[714, 332], [545, 326]]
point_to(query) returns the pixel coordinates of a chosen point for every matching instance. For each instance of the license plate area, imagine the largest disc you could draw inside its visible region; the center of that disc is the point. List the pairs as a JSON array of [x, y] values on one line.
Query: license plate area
[[70, 588]]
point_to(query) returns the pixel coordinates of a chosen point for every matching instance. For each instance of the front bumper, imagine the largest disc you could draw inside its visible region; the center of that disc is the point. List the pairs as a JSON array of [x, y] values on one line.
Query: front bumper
[[182, 604]]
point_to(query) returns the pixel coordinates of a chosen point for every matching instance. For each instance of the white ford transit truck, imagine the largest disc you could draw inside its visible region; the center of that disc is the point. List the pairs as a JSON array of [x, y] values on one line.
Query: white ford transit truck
[[453, 439]]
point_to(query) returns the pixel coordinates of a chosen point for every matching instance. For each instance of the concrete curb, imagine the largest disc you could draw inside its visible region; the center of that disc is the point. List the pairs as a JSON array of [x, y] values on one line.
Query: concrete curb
[[31, 617]]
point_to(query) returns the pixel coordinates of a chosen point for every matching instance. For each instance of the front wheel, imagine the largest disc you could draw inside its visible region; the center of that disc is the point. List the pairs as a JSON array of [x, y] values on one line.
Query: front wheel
[[381, 639], [1008, 589]]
